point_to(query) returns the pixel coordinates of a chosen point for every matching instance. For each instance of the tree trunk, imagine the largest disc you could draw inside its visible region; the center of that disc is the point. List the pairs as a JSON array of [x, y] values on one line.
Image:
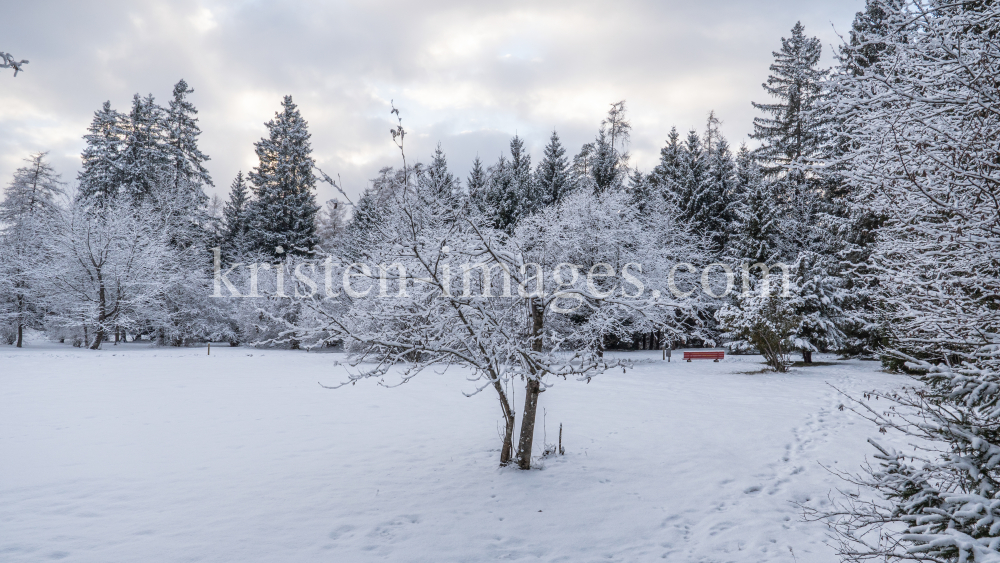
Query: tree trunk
[[507, 450], [807, 356], [531, 391], [20, 334], [528, 424], [102, 312]]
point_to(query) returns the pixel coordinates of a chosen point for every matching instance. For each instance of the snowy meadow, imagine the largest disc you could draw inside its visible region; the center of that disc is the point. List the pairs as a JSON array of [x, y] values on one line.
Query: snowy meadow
[[433, 367], [134, 453]]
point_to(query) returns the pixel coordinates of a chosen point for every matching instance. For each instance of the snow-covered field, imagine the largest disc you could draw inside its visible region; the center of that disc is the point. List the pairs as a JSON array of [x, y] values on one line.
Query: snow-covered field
[[154, 454]]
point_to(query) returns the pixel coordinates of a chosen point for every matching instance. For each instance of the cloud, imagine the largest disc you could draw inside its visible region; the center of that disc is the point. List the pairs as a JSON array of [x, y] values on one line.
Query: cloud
[[468, 75]]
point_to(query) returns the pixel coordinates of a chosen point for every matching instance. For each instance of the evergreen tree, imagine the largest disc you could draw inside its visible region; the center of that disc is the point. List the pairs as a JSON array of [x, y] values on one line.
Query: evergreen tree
[[145, 158], [182, 137], [756, 227], [692, 183], [283, 213], [791, 135], [510, 193], [721, 193], [438, 187], [476, 182], [552, 173], [609, 161], [234, 217], [582, 167], [100, 178], [440, 181], [520, 162], [867, 37], [331, 225], [604, 169], [666, 175]]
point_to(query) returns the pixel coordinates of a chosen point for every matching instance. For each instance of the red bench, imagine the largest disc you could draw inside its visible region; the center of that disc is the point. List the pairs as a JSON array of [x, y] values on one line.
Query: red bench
[[715, 355]]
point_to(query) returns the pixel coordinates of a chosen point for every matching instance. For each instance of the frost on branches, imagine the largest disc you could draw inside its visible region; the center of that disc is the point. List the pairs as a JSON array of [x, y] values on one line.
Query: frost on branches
[[508, 301], [918, 86]]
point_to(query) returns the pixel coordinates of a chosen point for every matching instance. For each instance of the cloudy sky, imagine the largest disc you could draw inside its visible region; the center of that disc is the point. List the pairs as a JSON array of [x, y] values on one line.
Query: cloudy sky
[[466, 74]]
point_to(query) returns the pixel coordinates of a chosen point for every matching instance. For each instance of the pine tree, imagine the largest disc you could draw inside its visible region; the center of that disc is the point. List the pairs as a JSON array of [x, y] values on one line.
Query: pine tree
[[100, 178], [234, 217], [791, 135], [26, 213], [867, 37], [476, 182], [582, 167], [145, 158], [441, 182], [604, 169], [666, 174], [720, 193], [756, 229], [552, 173], [438, 186], [283, 213], [182, 137], [510, 192]]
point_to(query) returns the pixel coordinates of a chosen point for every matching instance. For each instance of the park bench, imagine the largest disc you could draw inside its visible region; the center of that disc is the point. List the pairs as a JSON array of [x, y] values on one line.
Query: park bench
[[714, 355]]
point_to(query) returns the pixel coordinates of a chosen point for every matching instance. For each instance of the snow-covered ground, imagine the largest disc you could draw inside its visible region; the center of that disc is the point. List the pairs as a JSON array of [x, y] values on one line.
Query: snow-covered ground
[[162, 454]]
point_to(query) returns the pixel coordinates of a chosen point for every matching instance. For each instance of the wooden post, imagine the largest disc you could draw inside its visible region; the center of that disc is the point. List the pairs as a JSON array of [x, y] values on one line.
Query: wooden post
[[209, 349], [561, 450]]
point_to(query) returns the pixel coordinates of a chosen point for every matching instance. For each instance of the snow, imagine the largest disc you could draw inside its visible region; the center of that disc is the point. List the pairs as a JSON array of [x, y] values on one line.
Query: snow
[[135, 453]]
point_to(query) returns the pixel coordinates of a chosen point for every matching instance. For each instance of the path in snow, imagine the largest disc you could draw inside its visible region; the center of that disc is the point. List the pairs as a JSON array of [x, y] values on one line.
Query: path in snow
[[154, 454]]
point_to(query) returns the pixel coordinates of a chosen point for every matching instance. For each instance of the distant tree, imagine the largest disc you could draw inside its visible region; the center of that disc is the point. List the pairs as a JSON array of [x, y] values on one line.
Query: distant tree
[[791, 134], [609, 160], [182, 137], [234, 217], [436, 182], [509, 194], [101, 177], [552, 173], [476, 182]]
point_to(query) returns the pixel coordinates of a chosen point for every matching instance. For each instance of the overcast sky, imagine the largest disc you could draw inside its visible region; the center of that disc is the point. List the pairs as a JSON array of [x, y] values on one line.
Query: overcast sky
[[466, 74]]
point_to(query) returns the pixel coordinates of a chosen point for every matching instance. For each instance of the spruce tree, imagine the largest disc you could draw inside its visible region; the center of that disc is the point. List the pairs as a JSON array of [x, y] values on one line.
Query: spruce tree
[[440, 181], [604, 169], [756, 228], [552, 173], [234, 217], [582, 167], [189, 175], [666, 174], [283, 213], [476, 181], [791, 135], [523, 184], [145, 158], [510, 192], [867, 43], [438, 186], [100, 178]]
